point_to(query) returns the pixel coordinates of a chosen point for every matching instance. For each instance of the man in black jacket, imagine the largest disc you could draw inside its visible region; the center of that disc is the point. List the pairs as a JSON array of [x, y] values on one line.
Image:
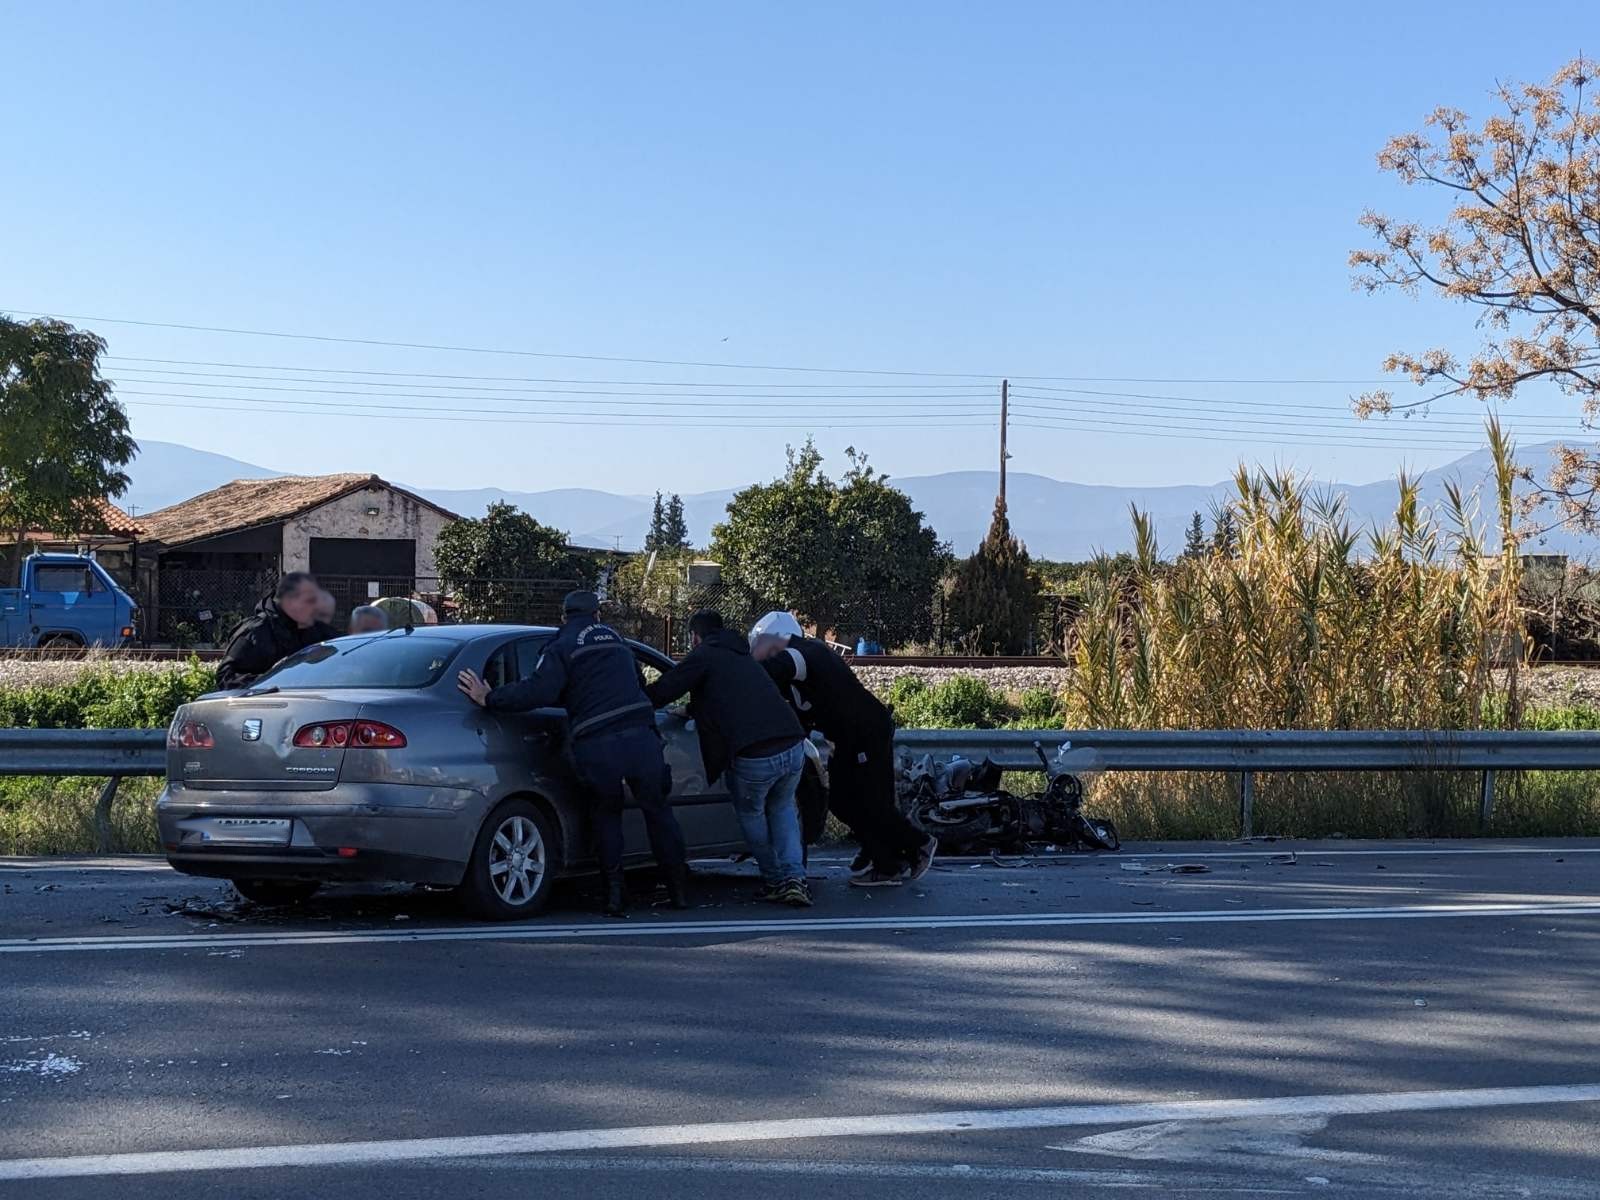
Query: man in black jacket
[[283, 623], [748, 732], [589, 670], [861, 780]]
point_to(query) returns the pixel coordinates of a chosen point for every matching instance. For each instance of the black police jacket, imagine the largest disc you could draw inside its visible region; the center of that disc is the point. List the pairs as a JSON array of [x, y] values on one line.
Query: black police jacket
[[261, 641], [589, 670]]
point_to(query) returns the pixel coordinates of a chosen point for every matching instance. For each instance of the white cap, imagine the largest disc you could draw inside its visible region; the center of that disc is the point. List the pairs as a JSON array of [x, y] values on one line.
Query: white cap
[[777, 624]]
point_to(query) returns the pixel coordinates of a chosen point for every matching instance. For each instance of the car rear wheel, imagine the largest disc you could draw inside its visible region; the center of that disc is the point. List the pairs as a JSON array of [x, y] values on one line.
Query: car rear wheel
[[276, 891], [514, 863]]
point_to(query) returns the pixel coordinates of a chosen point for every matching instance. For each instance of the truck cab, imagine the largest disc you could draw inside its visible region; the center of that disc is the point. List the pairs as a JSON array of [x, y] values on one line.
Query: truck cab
[[65, 600]]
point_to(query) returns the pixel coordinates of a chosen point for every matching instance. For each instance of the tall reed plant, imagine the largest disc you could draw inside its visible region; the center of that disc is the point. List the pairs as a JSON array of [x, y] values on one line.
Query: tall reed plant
[[1310, 623]]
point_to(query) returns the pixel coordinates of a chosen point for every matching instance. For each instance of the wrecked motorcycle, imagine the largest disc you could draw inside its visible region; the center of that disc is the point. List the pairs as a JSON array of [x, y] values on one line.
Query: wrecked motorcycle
[[963, 805]]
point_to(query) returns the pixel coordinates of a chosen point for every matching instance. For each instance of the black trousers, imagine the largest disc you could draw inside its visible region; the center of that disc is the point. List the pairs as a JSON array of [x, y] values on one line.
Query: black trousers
[[630, 759], [861, 793]]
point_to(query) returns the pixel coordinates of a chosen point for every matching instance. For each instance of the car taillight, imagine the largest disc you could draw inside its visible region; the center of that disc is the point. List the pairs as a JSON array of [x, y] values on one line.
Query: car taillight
[[337, 735], [191, 735]]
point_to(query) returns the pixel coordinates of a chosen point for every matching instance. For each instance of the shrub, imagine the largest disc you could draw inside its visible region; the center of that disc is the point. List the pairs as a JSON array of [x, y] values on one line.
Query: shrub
[[102, 697], [1039, 708]]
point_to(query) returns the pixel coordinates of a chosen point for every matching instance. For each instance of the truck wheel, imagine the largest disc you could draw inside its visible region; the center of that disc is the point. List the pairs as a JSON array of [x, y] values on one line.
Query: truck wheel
[[514, 863], [60, 641], [276, 891]]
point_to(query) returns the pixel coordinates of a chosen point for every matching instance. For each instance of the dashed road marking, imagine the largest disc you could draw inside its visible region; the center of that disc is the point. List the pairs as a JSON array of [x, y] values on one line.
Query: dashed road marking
[[324, 1154], [773, 926]]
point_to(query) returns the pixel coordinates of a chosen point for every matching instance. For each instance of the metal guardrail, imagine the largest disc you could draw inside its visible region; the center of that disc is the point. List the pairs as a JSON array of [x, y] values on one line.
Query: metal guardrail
[[1246, 752], [115, 753]]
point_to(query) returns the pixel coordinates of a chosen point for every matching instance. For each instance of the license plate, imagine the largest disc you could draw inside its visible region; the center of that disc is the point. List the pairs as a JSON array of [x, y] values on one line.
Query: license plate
[[272, 831]]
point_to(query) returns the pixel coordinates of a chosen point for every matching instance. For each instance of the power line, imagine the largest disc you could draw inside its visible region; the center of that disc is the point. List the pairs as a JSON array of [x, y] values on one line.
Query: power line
[[1232, 415], [667, 383], [1324, 442], [1210, 401], [909, 399], [367, 412], [718, 408], [269, 406], [452, 349], [993, 376]]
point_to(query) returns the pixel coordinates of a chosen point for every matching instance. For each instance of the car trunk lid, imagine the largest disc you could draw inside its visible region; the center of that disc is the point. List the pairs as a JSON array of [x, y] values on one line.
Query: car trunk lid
[[252, 742]]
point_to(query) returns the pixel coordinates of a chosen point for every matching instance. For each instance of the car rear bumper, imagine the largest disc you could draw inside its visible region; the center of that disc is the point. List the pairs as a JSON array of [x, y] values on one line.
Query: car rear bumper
[[382, 831], [239, 862]]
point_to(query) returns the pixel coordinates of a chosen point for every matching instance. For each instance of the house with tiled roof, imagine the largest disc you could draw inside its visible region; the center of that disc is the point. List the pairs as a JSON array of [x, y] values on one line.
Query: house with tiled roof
[[219, 552], [107, 532]]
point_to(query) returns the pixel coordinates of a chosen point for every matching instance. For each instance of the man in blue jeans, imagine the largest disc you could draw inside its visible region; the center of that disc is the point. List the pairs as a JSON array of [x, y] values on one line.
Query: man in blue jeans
[[749, 732]]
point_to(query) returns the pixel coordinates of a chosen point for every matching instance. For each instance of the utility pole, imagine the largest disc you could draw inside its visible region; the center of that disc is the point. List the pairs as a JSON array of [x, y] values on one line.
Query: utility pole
[[1005, 396]]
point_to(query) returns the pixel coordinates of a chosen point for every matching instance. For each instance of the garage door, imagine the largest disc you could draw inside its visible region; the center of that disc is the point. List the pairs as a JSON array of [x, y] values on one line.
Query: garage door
[[380, 558]]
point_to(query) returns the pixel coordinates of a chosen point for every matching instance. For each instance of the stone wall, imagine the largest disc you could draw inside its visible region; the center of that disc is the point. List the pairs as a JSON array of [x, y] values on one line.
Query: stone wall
[[398, 516]]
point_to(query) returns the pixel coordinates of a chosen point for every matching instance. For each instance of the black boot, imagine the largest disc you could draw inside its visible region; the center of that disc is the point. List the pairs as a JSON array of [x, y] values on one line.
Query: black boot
[[616, 896], [678, 886]]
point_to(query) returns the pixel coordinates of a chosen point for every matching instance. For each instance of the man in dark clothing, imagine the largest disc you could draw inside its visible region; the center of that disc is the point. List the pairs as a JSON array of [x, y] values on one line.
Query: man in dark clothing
[[589, 670], [861, 778], [283, 623], [750, 733]]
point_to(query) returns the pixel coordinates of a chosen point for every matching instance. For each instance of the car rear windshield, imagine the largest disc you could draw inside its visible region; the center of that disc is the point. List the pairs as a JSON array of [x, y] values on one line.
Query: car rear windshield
[[390, 660]]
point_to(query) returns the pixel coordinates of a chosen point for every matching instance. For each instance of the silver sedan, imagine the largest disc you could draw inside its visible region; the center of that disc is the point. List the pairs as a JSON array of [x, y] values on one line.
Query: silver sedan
[[358, 759]]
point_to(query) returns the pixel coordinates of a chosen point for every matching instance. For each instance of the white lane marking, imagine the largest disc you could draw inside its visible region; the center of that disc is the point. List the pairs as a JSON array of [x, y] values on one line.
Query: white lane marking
[[789, 1129], [1304, 853], [777, 925]]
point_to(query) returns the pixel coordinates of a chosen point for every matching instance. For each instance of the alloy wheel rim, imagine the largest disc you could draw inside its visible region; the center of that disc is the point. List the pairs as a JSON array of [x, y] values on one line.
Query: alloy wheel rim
[[516, 860]]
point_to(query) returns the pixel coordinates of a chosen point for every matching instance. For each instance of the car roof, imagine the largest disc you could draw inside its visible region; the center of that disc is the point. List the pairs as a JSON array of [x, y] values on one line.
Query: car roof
[[466, 633]]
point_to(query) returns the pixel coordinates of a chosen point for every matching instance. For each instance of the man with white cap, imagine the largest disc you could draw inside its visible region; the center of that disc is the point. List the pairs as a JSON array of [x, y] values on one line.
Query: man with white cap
[[861, 784]]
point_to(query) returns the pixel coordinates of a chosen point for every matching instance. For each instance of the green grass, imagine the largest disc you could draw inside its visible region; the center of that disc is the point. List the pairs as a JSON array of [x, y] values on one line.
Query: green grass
[[56, 816]]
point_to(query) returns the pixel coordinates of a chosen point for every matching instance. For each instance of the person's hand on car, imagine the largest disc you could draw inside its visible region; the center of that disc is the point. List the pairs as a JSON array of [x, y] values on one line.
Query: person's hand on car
[[472, 687]]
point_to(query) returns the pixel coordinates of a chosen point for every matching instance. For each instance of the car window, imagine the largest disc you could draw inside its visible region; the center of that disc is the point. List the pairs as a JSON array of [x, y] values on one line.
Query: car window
[[501, 668], [62, 579], [529, 651], [388, 660], [647, 666]]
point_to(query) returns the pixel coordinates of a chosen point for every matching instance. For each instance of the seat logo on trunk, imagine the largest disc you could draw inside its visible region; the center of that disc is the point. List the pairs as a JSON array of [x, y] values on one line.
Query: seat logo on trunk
[[252, 730]]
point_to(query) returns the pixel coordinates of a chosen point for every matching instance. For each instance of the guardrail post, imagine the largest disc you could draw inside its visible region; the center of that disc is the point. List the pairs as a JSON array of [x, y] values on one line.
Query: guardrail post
[[1247, 803], [1486, 801], [102, 814]]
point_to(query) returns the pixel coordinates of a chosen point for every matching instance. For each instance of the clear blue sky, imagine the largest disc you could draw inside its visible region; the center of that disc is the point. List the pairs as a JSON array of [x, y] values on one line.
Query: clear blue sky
[[1151, 190]]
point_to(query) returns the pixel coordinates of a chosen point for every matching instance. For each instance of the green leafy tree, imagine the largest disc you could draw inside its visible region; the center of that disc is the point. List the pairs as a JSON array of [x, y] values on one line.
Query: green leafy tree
[[488, 562], [64, 439], [994, 594], [1194, 542], [850, 555], [669, 531]]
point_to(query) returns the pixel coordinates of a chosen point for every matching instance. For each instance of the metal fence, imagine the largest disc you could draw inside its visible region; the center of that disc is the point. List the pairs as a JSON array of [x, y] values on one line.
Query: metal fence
[[185, 608], [114, 753]]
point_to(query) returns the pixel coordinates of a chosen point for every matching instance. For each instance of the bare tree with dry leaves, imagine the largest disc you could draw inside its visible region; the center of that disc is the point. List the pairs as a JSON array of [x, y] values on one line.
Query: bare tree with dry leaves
[[1522, 243]]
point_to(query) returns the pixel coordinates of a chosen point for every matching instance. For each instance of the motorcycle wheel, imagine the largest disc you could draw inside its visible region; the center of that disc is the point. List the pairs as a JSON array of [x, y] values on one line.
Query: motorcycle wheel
[[1096, 834]]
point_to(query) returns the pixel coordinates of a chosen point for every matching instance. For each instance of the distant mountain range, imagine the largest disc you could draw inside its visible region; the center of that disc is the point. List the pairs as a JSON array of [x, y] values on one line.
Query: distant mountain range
[[1057, 519]]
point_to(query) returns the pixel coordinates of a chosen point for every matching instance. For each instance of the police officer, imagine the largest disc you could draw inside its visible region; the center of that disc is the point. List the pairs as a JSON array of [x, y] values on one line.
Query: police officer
[[590, 671]]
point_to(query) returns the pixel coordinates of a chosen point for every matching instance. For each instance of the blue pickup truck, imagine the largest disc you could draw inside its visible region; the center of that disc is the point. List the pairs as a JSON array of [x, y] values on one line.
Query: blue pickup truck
[[65, 600]]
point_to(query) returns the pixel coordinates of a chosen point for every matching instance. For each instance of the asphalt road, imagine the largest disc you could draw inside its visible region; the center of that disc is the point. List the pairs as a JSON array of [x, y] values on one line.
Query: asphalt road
[[1296, 1019]]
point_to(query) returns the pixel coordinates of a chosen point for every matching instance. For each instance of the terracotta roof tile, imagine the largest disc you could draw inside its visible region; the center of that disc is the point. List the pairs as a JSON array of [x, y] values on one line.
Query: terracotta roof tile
[[246, 503]]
